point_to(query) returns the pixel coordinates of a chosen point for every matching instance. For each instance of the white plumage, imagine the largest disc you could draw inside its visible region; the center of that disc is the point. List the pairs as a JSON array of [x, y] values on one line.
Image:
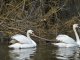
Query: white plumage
[[24, 42], [19, 45], [65, 45], [21, 38], [67, 41]]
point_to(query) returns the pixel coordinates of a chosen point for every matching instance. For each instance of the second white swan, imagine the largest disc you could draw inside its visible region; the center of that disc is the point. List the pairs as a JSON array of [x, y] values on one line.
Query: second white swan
[[67, 41]]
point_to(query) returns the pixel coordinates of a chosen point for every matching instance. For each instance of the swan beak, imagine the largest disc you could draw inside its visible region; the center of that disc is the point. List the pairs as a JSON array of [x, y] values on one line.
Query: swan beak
[[79, 27], [33, 34]]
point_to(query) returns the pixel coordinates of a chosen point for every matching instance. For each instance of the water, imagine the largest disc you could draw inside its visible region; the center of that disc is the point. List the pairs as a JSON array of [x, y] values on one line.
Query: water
[[42, 52]]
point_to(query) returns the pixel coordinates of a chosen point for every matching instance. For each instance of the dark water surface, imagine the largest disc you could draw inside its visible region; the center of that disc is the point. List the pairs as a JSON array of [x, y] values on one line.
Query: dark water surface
[[42, 52]]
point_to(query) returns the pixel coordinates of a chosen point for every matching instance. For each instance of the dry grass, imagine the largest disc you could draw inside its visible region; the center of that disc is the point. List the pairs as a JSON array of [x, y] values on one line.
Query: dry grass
[[20, 15]]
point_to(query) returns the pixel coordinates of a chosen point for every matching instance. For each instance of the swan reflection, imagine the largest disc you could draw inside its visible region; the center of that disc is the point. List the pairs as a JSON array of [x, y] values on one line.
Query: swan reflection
[[67, 53], [21, 54]]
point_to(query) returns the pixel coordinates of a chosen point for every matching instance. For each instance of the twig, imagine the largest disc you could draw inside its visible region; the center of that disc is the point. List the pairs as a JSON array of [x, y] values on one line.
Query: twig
[[44, 39], [15, 29]]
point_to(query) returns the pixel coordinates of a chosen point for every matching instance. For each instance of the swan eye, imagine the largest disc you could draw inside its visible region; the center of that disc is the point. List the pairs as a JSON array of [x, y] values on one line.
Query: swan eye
[[78, 25], [32, 32]]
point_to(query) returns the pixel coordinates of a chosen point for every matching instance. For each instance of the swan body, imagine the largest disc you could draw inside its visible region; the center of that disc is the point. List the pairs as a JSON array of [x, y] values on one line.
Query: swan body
[[19, 45], [65, 45], [66, 41], [22, 38], [23, 41]]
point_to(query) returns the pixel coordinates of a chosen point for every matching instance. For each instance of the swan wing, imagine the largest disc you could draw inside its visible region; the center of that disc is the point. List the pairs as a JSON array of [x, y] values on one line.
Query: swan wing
[[20, 38], [65, 39], [64, 45]]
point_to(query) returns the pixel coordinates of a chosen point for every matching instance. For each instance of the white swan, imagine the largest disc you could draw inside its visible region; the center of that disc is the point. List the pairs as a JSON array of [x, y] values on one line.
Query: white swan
[[23, 41], [67, 41]]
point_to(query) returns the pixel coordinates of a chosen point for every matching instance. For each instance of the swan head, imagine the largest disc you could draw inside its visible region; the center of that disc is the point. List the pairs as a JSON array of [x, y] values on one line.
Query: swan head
[[76, 26], [30, 31]]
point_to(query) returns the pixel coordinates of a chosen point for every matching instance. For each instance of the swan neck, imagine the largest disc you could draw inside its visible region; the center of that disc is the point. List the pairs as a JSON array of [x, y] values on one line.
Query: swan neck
[[28, 35], [76, 34], [30, 40]]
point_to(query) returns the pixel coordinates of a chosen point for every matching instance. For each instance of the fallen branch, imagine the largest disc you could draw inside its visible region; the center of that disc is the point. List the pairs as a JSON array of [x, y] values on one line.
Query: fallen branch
[[47, 40]]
